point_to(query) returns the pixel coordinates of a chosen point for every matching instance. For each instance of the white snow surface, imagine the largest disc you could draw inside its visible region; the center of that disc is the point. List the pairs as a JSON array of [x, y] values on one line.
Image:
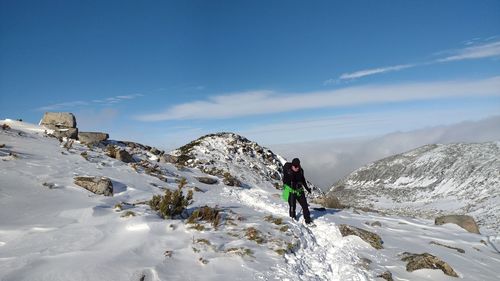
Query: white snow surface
[[68, 233]]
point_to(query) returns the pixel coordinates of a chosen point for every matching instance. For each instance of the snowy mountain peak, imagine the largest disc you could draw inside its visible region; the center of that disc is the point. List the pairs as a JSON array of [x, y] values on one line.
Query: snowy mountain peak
[[430, 180]]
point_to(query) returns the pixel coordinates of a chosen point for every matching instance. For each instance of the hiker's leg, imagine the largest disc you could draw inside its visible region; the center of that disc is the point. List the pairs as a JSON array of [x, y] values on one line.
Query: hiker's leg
[[292, 204], [305, 208]]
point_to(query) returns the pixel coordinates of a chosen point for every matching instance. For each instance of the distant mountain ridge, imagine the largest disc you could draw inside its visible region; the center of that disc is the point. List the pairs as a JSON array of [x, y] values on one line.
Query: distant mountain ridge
[[430, 180]]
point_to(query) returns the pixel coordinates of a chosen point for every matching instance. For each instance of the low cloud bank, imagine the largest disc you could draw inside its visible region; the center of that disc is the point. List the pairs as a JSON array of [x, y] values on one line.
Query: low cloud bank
[[326, 162]]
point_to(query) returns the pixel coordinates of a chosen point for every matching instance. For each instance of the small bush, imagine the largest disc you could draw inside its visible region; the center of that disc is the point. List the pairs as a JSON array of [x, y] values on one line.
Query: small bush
[[172, 203], [198, 227], [118, 206], [276, 221], [128, 214], [240, 251], [207, 214], [284, 228], [253, 234]]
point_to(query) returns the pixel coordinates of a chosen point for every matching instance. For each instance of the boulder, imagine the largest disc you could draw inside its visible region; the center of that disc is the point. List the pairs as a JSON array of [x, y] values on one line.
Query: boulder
[[92, 137], [167, 158], [466, 222], [426, 260], [124, 156], [55, 120], [387, 275], [71, 133], [207, 180], [369, 237], [97, 185]]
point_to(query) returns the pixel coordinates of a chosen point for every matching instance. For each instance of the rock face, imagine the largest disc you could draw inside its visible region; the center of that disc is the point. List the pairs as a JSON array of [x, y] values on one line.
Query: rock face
[[97, 185], [56, 120], [466, 222], [124, 156], [371, 238], [422, 182], [92, 137], [167, 158], [71, 133], [426, 260]]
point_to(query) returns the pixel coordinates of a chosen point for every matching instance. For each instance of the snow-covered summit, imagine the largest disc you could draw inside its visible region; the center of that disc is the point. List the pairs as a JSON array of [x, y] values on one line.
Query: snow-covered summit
[[461, 178], [231, 155]]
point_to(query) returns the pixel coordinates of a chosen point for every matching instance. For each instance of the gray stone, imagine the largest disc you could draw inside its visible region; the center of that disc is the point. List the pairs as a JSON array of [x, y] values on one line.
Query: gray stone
[[71, 133], [54, 120], [371, 238], [97, 185], [466, 222], [154, 151], [167, 158], [387, 275], [124, 156], [92, 137], [426, 260], [207, 180]]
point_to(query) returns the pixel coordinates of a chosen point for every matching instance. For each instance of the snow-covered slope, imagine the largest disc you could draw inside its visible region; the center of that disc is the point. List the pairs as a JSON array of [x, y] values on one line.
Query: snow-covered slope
[[51, 229], [235, 156], [430, 180]]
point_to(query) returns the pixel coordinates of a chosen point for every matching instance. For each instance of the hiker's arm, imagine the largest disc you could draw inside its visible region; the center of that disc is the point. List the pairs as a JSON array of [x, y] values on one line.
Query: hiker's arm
[[305, 183]]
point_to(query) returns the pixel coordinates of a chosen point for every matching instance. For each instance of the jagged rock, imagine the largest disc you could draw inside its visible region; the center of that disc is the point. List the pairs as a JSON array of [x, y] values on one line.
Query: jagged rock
[[168, 158], [466, 222], [92, 137], [371, 238], [55, 120], [426, 260], [71, 133], [97, 185], [207, 180], [387, 275]]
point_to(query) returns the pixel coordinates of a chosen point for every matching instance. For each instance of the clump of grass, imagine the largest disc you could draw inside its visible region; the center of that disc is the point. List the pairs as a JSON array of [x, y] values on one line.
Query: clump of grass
[[118, 206], [281, 251], [172, 203], [182, 182], [208, 214], [203, 241], [284, 228], [240, 251], [198, 227], [255, 235], [128, 214], [85, 155], [230, 180], [276, 221]]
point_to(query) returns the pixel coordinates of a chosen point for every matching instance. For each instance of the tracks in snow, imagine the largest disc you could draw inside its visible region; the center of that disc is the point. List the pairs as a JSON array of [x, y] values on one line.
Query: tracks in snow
[[322, 255]]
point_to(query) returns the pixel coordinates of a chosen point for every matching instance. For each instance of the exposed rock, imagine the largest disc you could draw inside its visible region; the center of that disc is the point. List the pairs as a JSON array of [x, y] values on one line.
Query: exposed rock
[[92, 137], [124, 156], [376, 223], [207, 180], [371, 238], [426, 260], [168, 158], [71, 133], [154, 151], [55, 120], [97, 185], [387, 275], [466, 222]]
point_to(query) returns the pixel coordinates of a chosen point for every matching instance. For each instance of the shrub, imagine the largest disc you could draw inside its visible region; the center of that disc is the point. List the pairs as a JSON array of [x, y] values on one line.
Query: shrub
[[172, 203], [253, 234], [207, 214], [276, 221], [128, 214]]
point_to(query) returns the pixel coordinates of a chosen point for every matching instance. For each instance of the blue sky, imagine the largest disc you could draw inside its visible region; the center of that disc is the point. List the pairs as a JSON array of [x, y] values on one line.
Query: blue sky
[[165, 72]]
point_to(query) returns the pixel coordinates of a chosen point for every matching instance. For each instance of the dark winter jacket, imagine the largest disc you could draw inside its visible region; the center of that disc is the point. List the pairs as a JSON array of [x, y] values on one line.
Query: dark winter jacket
[[295, 180]]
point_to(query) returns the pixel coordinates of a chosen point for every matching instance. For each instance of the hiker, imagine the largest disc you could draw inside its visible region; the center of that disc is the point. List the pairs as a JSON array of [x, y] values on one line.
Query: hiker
[[293, 186]]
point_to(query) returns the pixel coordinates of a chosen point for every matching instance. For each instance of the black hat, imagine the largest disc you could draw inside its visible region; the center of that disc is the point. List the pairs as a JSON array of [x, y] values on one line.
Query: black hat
[[296, 162]]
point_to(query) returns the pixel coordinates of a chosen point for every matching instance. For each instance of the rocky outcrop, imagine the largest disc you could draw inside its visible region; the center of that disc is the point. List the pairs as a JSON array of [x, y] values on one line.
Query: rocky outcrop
[[369, 237], [387, 275], [426, 260], [97, 185], [57, 120], [167, 158], [207, 180], [466, 222], [92, 137], [63, 124]]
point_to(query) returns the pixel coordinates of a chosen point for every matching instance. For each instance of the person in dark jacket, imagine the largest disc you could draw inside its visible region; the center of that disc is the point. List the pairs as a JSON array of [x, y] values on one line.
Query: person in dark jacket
[[293, 176]]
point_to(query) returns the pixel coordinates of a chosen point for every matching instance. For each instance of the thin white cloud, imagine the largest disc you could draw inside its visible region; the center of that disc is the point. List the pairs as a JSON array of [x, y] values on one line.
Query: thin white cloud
[[472, 51], [367, 72], [268, 102], [73, 104]]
